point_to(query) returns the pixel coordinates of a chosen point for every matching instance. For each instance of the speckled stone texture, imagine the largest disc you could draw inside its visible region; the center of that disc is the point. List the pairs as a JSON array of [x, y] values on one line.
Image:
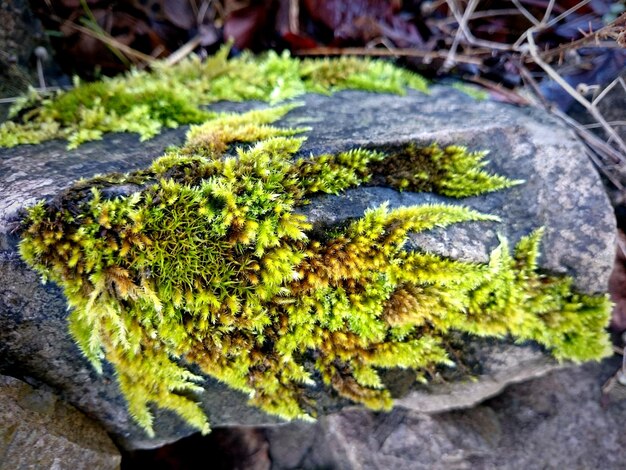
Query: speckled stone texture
[[38, 431], [562, 193]]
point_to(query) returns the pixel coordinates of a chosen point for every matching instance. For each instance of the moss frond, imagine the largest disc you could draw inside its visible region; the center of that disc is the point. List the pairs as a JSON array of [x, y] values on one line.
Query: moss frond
[[209, 263]]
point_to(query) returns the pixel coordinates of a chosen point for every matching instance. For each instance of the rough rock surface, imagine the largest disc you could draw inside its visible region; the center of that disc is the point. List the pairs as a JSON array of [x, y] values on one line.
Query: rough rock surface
[[39, 431], [556, 421], [562, 192]]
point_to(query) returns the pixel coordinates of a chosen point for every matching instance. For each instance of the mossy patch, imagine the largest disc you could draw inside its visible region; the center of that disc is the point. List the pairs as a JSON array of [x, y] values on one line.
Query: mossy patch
[[144, 102], [206, 261]]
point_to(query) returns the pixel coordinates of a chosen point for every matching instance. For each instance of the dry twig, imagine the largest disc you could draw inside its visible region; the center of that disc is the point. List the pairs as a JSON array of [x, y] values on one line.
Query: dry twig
[[427, 56]]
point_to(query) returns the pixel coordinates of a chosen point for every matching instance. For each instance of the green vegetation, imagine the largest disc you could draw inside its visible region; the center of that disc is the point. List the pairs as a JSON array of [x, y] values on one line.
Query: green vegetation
[[168, 96], [209, 263], [473, 91]]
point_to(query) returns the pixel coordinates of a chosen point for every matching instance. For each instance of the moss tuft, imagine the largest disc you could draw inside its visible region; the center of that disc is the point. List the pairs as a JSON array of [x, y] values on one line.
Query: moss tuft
[[209, 263]]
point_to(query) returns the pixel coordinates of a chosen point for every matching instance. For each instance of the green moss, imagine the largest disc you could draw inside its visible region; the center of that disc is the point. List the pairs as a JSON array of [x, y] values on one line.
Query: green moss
[[451, 171], [209, 263], [168, 96]]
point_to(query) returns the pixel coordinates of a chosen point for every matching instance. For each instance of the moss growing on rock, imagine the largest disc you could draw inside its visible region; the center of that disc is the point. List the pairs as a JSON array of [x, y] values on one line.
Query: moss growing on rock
[[205, 260], [168, 96], [451, 171]]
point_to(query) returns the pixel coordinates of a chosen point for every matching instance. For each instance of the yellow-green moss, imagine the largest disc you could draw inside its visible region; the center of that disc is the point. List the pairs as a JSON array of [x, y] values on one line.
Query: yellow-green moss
[[208, 263], [168, 96]]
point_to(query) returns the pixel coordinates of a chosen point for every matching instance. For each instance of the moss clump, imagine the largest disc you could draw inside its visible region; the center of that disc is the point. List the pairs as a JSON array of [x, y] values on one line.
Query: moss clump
[[168, 96], [451, 171], [208, 263]]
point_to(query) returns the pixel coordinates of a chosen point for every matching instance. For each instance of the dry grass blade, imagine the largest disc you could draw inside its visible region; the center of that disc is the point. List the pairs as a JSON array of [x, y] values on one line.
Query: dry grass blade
[[113, 43]]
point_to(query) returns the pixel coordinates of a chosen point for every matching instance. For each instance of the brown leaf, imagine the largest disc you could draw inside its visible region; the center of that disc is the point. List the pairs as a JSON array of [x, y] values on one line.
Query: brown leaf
[[245, 25]]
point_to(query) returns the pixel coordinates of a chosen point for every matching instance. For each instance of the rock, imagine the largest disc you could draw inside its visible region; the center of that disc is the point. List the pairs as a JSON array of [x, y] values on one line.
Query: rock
[[39, 431], [552, 422], [524, 143]]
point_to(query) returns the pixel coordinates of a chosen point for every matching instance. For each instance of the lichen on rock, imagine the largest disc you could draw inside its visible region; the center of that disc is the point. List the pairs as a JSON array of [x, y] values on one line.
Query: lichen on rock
[[205, 260]]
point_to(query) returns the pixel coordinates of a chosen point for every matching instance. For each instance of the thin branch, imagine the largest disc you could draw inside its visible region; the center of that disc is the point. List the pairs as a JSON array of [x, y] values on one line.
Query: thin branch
[[602, 167], [605, 150], [202, 11], [604, 92], [612, 123], [359, 51], [510, 95], [566, 13], [462, 20], [534, 21], [449, 62], [549, 24], [548, 12], [532, 49], [294, 15], [478, 15], [534, 86], [183, 51], [603, 32]]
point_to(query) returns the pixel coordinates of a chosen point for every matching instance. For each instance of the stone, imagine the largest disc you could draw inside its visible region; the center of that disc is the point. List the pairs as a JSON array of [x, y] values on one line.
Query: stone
[[524, 144], [39, 431], [557, 421]]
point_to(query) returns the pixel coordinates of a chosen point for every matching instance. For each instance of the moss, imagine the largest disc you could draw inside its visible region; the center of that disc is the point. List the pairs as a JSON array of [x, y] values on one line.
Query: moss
[[207, 262], [168, 96], [451, 171]]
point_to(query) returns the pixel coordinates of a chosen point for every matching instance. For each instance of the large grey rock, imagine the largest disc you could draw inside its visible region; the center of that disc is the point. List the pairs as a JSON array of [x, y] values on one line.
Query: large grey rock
[[557, 421], [38, 431], [562, 192]]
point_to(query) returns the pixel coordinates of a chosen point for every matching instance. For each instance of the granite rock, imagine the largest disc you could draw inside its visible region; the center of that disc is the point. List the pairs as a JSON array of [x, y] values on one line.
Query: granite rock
[[562, 193]]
